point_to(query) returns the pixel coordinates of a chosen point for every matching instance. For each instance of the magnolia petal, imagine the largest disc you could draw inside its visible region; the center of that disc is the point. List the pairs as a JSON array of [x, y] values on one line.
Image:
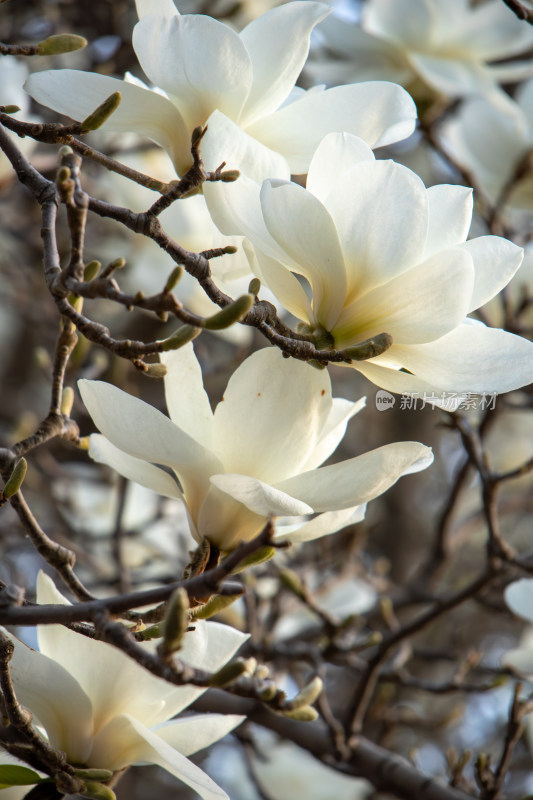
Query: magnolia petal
[[192, 734], [198, 61], [55, 698], [164, 8], [278, 44], [380, 210], [403, 22], [259, 497], [395, 380], [282, 283], [226, 141], [380, 113], [421, 305], [454, 78], [340, 414], [336, 153], [302, 226], [520, 660], [519, 597], [472, 358], [358, 479], [271, 416], [127, 741], [143, 431], [491, 33], [323, 525], [148, 113], [134, 469], [450, 215], [495, 261], [209, 646], [187, 401]]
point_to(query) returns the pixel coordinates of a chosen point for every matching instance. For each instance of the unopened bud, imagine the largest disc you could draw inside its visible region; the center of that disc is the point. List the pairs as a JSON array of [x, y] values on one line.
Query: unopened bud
[[259, 557], [91, 270], [14, 482], [65, 151], [307, 696], [254, 286], [101, 114], [94, 774], [173, 279], [183, 335], [230, 175], [10, 109], [197, 134], [76, 302], [61, 43], [84, 443], [98, 791], [268, 693], [139, 296], [156, 370], [370, 348], [67, 401], [229, 673], [317, 364], [232, 313], [176, 622], [214, 605], [304, 714]]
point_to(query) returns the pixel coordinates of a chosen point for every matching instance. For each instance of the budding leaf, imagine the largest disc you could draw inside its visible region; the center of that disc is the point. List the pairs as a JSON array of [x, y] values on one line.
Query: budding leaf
[[14, 482], [183, 335], [176, 621], [214, 605], [232, 313], [305, 714], [98, 791], [229, 673], [12, 775], [61, 43], [102, 113]]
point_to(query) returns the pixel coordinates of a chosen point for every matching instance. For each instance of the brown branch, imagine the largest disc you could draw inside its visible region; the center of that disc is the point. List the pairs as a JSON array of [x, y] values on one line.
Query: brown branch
[[385, 770]]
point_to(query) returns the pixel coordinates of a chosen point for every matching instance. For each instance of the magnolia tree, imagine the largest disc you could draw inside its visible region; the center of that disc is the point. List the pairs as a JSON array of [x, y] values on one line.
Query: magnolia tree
[[331, 202]]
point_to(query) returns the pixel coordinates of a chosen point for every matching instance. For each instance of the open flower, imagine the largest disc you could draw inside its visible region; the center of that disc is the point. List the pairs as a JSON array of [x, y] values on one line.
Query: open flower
[[437, 45], [383, 254], [493, 140], [104, 711], [258, 454], [240, 85]]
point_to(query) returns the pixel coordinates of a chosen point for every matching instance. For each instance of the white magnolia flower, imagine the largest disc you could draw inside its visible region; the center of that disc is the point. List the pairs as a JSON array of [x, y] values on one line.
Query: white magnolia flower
[[492, 139], [257, 454], [240, 85], [105, 711], [381, 253], [437, 45], [446, 45]]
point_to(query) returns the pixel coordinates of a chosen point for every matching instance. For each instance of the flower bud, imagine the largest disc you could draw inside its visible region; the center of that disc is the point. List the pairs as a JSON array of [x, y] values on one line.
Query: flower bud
[[173, 279], [307, 695], [91, 270], [101, 114], [183, 335], [259, 557], [10, 109], [229, 673], [156, 370], [214, 605], [254, 286], [304, 714], [67, 401], [176, 622], [230, 314], [94, 774], [61, 43], [370, 348], [230, 175], [14, 482], [98, 791]]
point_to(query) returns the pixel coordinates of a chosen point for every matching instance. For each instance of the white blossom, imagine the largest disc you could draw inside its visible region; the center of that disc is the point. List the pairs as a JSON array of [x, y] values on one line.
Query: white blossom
[[258, 454], [446, 46], [105, 711], [380, 253], [240, 85]]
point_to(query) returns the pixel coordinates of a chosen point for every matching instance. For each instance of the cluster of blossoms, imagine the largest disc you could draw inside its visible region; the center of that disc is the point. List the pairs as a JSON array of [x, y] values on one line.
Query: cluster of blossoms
[[364, 249]]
